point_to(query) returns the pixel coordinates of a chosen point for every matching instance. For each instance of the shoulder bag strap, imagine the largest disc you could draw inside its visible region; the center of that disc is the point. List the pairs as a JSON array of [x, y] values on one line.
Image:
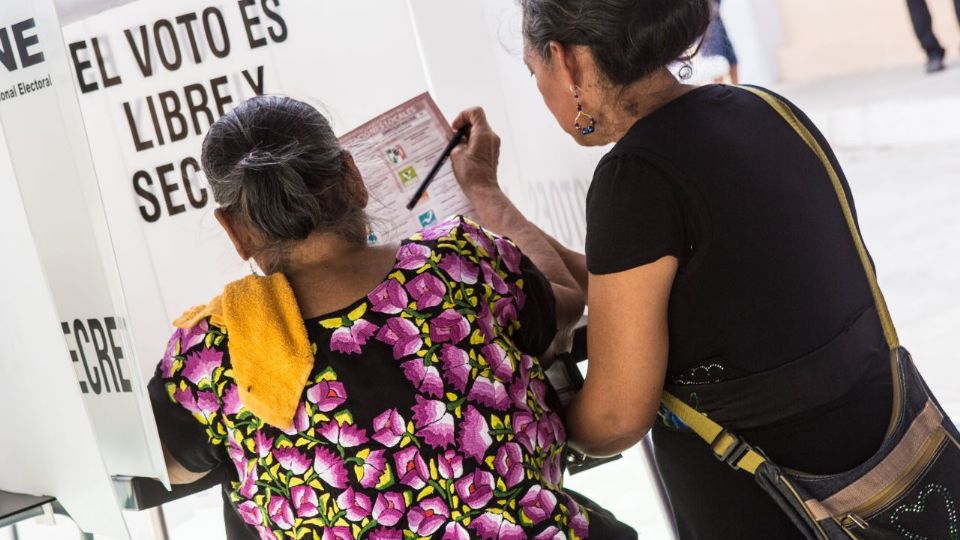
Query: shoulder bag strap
[[726, 446]]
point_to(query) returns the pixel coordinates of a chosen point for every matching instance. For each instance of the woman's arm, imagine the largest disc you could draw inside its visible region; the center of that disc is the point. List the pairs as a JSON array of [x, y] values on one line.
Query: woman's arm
[[177, 473], [475, 165], [628, 344], [576, 263]]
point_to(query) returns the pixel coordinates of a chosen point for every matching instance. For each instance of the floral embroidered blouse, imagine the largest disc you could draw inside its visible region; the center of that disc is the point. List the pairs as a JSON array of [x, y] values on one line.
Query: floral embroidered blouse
[[427, 413]]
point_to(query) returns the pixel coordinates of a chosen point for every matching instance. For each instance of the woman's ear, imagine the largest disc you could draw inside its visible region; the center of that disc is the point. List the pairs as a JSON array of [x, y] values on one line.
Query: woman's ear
[[355, 185], [239, 235], [566, 62]]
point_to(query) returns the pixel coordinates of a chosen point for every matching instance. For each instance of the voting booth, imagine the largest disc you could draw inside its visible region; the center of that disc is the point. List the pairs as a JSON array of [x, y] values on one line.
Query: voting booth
[[103, 195]]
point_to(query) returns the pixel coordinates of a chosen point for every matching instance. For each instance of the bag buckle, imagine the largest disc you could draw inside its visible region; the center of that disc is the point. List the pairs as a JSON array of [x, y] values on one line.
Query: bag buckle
[[734, 452]]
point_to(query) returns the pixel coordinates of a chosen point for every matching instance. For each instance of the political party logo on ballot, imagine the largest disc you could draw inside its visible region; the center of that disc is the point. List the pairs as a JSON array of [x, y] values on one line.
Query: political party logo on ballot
[[395, 154], [408, 176], [428, 218]]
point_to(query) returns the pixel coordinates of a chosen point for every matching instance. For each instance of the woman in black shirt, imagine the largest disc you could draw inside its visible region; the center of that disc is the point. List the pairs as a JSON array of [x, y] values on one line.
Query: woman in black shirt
[[718, 264]]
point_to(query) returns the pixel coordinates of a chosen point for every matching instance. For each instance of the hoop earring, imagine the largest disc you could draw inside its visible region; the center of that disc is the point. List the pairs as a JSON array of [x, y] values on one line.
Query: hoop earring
[[591, 125]]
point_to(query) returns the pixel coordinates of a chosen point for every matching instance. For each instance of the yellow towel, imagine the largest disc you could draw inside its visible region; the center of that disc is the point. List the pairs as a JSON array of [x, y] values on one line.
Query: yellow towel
[[268, 344]]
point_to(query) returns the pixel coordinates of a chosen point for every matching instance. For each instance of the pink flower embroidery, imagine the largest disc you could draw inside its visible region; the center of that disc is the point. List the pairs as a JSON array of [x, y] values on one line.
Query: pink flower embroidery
[[280, 512], [413, 256], [551, 533], [330, 468], [200, 365], [478, 238], [427, 290], [403, 335], [192, 337], [248, 481], [425, 378], [450, 465], [456, 366], [389, 428], [356, 505], [351, 340], [455, 531], [292, 460], [552, 474], [207, 403], [492, 278], [389, 508], [231, 401], [509, 464], [411, 468], [578, 520], [499, 361], [345, 435], [449, 327], [525, 429], [427, 517], [439, 231], [250, 513], [301, 421], [263, 444], [389, 297], [538, 503], [474, 434], [166, 364], [327, 395], [305, 501], [372, 469], [459, 269], [491, 526], [186, 399], [337, 533], [509, 254], [505, 311], [476, 489], [433, 422], [489, 392], [384, 533], [485, 320]]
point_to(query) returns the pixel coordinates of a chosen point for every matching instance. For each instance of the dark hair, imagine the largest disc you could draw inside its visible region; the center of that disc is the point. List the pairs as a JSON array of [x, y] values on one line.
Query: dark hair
[[275, 162], [630, 39]]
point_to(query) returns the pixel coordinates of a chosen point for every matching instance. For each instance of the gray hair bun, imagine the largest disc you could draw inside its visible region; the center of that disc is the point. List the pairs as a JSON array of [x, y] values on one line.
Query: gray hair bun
[[276, 163]]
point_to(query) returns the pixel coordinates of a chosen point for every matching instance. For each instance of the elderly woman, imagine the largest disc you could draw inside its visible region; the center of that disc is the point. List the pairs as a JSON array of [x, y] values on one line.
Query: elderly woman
[[718, 263], [366, 392]]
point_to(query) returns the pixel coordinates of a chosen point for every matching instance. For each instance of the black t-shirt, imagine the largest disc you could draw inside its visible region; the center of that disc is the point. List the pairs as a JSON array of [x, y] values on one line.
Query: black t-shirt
[[768, 274], [768, 270]]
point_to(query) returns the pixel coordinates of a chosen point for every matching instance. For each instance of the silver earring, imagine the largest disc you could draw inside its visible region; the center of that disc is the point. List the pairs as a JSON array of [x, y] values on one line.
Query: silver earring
[[253, 269]]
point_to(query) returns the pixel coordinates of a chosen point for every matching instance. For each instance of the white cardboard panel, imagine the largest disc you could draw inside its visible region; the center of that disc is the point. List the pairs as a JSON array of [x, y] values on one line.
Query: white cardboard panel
[[353, 59], [48, 447], [50, 158], [473, 52]]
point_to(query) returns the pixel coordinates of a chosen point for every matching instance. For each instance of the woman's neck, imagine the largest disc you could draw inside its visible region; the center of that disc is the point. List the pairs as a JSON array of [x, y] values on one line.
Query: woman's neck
[[629, 104]]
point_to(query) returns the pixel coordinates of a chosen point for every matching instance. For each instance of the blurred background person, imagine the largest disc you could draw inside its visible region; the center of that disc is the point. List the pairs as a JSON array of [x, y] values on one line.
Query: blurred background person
[[923, 26], [716, 43]]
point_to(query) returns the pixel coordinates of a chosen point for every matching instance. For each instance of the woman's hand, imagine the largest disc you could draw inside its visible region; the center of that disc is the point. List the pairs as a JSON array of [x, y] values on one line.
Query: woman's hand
[[475, 161]]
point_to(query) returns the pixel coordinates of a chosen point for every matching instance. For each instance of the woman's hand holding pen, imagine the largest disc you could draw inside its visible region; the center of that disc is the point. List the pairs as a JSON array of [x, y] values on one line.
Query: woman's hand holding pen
[[475, 161]]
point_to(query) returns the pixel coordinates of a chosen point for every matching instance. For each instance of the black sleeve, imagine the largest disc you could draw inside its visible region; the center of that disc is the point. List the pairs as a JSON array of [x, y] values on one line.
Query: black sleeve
[[538, 314], [634, 216], [185, 429]]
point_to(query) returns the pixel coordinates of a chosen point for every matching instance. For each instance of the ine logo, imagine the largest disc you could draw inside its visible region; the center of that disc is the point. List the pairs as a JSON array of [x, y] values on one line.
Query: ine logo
[[20, 46]]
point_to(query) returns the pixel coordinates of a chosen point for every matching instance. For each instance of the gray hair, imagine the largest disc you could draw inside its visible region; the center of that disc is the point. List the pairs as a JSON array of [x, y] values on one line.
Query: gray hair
[[276, 163], [629, 39]]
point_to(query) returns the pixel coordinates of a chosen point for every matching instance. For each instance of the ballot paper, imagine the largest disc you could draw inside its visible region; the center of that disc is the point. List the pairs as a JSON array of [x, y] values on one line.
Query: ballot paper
[[394, 152]]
